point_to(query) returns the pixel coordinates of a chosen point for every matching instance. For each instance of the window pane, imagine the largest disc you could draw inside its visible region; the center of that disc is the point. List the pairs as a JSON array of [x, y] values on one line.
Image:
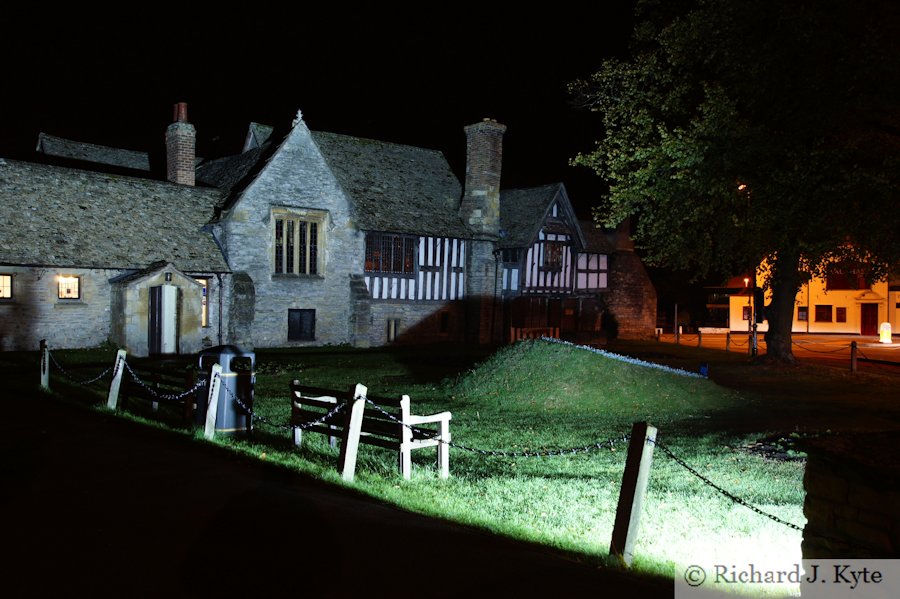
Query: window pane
[[302, 247], [301, 325], [68, 287], [279, 248], [373, 253], [289, 252], [5, 286], [313, 249]]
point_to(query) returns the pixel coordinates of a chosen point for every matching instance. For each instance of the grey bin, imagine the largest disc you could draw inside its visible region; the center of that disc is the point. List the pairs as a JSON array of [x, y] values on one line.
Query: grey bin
[[235, 388]]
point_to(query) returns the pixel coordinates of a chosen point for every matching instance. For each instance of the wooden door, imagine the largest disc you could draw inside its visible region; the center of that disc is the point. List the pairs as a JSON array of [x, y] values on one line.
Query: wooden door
[[868, 322]]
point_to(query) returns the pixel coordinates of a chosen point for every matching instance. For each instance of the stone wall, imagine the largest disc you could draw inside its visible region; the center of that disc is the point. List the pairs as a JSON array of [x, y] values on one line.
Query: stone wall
[[421, 322], [35, 312], [295, 179], [852, 504]]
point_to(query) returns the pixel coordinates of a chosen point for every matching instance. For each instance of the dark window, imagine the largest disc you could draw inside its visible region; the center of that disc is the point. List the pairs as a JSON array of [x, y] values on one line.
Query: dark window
[[390, 253], [296, 245], [510, 255], [823, 313], [802, 313], [845, 280], [840, 314], [301, 325], [552, 257], [445, 323]]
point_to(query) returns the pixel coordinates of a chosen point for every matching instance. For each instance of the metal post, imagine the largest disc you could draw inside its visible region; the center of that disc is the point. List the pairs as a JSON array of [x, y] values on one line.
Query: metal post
[[853, 356], [631, 496], [727, 340], [699, 338], [677, 334], [45, 366]]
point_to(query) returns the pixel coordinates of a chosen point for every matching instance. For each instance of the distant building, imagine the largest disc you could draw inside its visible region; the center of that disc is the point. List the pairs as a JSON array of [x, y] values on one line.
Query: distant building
[[841, 303], [305, 238]]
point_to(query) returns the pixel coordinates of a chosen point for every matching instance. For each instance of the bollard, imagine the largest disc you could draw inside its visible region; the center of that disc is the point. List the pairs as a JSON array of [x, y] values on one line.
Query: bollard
[[631, 496], [853, 356], [212, 402], [112, 398], [45, 366], [699, 338], [727, 340], [677, 335]]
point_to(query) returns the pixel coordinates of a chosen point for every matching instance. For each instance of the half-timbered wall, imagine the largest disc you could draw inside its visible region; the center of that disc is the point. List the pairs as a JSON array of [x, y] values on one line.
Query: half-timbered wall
[[591, 272], [439, 273], [548, 264]]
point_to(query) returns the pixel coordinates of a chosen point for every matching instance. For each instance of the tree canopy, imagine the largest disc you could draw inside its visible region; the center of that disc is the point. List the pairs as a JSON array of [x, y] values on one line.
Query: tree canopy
[[742, 130]]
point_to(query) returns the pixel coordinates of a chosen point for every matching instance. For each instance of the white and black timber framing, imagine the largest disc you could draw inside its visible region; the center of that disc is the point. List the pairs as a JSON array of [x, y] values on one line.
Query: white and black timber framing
[[439, 274]]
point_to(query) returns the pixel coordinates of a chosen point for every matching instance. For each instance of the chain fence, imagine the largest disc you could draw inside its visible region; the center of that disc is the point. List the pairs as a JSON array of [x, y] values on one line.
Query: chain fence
[[608, 444], [69, 375], [805, 347]]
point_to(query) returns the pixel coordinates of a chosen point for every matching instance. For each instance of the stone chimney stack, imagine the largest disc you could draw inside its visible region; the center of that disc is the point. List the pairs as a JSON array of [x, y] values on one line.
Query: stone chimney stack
[[181, 142], [480, 206]]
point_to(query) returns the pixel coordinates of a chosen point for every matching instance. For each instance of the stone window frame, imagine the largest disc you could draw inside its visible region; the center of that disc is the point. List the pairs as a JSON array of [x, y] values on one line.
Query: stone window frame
[[62, 296], [7, 291], [292, 254]]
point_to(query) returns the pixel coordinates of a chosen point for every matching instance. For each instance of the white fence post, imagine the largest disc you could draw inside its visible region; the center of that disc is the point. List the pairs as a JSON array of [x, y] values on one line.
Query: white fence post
[[352, 430], [112, 400], [212, 403], [631, 497], [45, 366]]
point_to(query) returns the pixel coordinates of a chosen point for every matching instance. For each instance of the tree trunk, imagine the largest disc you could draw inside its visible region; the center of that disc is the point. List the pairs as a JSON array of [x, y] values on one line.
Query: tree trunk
[[785, 283]]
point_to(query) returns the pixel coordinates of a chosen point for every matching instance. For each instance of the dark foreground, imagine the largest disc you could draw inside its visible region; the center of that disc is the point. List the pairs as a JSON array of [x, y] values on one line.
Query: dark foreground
[[93, 505]]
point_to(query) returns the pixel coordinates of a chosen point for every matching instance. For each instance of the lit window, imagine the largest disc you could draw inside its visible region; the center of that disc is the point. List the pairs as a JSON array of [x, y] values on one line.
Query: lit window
[[69, 287], [297, 241], [745, 312], [389, 253], [204, 302], [393, 329], [823, 313], [5, 286]]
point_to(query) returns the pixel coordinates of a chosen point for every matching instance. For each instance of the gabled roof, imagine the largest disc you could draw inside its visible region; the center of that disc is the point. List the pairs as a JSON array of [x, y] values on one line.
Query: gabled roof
[[257, 135], [232, 172], [523, 213], [394, 187], [79, 150], [56, 216], [596, 238]]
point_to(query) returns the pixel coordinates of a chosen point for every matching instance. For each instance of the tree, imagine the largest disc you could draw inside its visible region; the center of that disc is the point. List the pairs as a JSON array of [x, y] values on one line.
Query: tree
[[743, 131]]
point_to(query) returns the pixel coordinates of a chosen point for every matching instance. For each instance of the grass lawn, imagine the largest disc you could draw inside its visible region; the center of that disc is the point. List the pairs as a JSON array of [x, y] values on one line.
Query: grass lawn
[[736, 429]]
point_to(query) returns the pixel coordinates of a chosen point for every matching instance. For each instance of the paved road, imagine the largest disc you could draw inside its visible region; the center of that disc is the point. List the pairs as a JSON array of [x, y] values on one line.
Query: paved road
[[93, 505], [833, 350]]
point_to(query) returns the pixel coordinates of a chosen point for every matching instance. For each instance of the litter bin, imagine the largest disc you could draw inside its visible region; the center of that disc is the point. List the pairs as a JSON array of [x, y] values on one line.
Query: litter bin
[[235, 400]]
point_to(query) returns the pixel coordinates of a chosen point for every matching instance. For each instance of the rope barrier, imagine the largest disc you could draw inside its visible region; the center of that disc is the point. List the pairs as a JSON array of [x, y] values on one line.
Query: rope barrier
[[727, 494], [69, 376]]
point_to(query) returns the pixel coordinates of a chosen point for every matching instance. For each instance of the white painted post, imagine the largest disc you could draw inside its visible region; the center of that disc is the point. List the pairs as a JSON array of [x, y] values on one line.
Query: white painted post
[[443, 449], [112, 400], [352, 430], [405, 439], [212, 402], [631, 496], [45, 366]]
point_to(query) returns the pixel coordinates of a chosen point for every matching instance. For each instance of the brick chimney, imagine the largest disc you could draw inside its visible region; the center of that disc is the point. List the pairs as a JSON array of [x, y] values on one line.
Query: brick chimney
[[480, 206], [181, 140]]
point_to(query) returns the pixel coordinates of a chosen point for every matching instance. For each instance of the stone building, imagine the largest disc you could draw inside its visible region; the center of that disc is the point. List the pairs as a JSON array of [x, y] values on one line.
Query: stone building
[[303, 238]]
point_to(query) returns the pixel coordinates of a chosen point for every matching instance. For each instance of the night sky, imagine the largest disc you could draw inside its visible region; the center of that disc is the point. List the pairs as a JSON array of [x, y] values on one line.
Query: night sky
[[112, 78]]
